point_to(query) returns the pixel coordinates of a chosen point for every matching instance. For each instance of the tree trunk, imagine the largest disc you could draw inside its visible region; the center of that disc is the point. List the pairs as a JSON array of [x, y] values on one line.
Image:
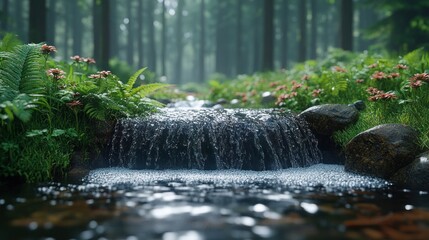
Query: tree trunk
[[256, 37], [238, 43], [96, 11], [284, 33], [151, 35], [163, 40], [179, 42], [201, 69], [101, 19], [130, 30], [302, 48], [314, 24], [52, 19], [5, 16], [114, 28], [105, 35], [67, 27], [346, 25], [140, 42], [77, 28], [220, 28], [37, 21], [268, 45]]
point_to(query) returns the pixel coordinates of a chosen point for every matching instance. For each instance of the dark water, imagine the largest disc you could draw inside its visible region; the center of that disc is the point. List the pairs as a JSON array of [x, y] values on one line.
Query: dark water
[[319, 202], [214, 139]]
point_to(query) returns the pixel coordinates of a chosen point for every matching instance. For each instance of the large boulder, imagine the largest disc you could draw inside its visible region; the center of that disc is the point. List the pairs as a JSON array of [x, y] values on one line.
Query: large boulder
[[415, 175], [328, 118], [381, 151]]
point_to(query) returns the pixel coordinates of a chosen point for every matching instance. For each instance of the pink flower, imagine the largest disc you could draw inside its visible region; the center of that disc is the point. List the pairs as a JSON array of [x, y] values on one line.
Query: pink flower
[[359, 80], [401, 67], [46, 49], [76, 58], [316, 92], [378, 75], [420, 76], [394, 75], [374, 65], [339, 69], [56, 73], [88, 60], [305, 77]]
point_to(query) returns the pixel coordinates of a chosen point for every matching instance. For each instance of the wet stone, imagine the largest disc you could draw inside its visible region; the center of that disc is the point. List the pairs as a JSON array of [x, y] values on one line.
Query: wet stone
[[327, 118], [415, 175], [382, 150]]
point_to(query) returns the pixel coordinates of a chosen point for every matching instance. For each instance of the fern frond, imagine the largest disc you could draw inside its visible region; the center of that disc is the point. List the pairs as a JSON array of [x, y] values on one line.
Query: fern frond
[[146, 89], [133, 79], [9, 42], [21, 71]]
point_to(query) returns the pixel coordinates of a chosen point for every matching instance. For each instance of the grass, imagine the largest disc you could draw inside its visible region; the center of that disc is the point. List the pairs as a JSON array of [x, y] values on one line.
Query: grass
[[394, 89]]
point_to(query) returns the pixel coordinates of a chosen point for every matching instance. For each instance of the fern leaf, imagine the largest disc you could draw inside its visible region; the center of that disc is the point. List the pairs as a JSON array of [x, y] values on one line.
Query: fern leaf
[[144, 90], [21, 70], [133, 79]]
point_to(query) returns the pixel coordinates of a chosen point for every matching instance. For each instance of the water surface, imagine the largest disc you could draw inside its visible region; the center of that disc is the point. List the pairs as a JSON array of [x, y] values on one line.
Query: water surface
[[318, 202]]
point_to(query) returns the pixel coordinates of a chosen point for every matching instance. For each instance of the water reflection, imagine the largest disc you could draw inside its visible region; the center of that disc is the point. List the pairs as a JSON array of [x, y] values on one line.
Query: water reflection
[[287, 204]]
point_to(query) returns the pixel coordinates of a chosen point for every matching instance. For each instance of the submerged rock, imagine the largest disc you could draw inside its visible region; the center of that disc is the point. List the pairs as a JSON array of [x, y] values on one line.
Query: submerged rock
[[415, 175], [327, 118], [382, 150]]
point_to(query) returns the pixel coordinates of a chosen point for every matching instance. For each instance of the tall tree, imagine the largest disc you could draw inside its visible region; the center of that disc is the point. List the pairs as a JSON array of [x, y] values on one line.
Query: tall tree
[[77, 28], [140, 40], [130, 30], [268, 45], [238, 43], [151, 36], [163, 40], [314, 23], [201, 69], [114, 28], [302, 48], [5, 16], [284, 33], [51, 21], [179, 41], [346, 25], [101, 12], [67, 26], [37, 21], [256, 36]]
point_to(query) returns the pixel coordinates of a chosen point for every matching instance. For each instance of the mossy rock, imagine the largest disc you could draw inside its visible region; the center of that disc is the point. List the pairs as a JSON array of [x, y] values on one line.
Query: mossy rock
[[381, 151]]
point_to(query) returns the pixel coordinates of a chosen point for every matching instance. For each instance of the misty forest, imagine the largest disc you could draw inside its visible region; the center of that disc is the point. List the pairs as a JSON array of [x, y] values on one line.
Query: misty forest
[[191, 40]]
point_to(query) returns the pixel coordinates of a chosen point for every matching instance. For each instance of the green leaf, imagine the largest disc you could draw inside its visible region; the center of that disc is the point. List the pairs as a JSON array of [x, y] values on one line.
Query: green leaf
[[133, 79], [35, 133], [144, 90], [58, 132]]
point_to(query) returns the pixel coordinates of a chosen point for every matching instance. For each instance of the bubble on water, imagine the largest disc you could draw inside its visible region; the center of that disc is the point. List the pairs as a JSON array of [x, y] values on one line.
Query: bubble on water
[[262, 231], [309, 207], [330, 177], [33, 226]]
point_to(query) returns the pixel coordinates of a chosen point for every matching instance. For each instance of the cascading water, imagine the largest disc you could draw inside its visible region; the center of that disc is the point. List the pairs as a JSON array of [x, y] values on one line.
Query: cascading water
[[213, 139]]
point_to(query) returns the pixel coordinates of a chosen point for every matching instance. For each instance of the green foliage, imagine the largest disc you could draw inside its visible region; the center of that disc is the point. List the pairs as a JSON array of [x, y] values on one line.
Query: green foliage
[[394, 89], [21, 82], [63, 102]]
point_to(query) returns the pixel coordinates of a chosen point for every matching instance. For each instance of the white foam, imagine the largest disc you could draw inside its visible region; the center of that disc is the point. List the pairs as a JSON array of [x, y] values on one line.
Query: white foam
[[319, 175]]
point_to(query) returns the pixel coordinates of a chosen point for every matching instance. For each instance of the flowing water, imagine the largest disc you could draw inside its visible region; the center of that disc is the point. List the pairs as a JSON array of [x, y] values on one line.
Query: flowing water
[[214, 139]]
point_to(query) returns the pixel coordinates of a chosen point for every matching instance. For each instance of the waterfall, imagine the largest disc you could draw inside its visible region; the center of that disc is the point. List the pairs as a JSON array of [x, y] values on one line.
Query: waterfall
[[213, 139]]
